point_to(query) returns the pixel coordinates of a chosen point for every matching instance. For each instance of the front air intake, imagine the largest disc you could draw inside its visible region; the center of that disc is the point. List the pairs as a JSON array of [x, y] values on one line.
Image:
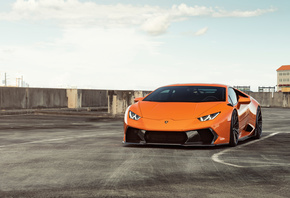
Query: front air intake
[[202, 136], [132, 135], [206, 136], [165, 137]]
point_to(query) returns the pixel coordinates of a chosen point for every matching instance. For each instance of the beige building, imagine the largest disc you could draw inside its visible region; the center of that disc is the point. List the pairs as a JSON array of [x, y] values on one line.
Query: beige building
[[283, 78]]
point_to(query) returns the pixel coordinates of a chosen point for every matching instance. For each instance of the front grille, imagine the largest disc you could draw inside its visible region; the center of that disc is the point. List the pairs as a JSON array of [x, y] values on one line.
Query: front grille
[[165, 137]]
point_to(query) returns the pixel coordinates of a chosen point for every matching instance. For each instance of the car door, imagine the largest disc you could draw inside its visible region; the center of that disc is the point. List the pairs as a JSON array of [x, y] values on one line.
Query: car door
[[241, 108]]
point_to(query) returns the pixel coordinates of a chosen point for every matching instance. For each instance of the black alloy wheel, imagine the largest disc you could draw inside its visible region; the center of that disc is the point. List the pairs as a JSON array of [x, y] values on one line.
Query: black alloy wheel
[[258, 127], [234, 131]]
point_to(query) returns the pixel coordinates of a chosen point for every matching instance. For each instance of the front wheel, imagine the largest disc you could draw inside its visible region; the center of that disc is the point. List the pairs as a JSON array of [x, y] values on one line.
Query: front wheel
[[234, 131], [258, 127]]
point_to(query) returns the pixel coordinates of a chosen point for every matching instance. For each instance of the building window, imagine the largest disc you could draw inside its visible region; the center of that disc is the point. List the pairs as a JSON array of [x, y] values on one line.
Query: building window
[[280, 74], [284, 74], [280, 80]]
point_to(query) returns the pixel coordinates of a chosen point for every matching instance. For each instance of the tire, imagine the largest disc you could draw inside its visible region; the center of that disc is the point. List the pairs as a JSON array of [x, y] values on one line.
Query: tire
[[234, 131], [258, 125]]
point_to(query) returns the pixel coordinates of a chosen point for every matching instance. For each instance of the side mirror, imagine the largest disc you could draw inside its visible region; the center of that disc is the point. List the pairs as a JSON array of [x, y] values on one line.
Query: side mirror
[[243, 100], [138, 99]]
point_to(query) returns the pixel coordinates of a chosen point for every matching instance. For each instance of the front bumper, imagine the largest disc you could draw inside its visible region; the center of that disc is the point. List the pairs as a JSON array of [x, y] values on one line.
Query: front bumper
[[186, 138]]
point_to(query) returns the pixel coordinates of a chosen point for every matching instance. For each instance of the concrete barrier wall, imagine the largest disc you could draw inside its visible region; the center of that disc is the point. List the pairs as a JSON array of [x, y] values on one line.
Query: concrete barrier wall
[[94, 98], [36, 98], [13, 98], [31, 98], [269, 99], [46, 98], [116, 101]]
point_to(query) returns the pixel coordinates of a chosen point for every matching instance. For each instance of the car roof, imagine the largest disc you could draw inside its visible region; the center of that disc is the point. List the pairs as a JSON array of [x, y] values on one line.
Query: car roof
[[198, 84]]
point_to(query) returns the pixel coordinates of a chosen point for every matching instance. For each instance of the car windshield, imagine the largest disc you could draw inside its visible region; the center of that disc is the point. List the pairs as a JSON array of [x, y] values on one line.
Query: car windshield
[[187, 94]]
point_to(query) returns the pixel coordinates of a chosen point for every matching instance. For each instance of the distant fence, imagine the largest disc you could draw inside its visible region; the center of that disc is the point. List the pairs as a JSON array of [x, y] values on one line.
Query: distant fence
[[116, 101]]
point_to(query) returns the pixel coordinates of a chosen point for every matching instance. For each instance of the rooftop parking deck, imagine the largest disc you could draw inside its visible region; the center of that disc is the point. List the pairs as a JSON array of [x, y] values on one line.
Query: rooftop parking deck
[[77, 155]]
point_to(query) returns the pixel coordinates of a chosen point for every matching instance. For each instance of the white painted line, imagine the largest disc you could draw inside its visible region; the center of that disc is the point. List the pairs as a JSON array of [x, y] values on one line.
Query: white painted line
[[48, 140], [276, 132], [216, 156]]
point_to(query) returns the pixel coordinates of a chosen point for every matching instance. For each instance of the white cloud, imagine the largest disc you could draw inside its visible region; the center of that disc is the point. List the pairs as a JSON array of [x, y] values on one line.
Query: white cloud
[[238, 13], [152, 19], [184, 10], [201, 31], [86, 58], [156, 25]]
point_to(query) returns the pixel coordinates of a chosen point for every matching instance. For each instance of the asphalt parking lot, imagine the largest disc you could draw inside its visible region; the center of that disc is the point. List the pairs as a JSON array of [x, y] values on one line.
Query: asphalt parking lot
[[82, 156]]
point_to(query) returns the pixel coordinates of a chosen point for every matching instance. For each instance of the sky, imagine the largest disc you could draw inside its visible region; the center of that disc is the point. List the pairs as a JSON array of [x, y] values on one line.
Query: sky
[[142, 45]]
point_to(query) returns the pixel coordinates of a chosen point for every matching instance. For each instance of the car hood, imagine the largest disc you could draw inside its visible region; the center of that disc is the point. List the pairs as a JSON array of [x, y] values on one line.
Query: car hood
[[174, 110]]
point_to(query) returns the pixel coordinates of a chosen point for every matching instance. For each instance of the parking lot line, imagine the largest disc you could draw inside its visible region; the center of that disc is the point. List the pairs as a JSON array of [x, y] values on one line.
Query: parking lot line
[[216, 156]]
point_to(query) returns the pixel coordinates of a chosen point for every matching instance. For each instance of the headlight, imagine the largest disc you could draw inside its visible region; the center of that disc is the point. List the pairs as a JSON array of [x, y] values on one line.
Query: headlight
[[133, 116], [208, 117]]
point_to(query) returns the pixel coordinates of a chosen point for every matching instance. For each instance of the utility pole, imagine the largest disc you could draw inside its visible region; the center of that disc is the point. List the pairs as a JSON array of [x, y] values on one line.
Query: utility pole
[[18, 82]]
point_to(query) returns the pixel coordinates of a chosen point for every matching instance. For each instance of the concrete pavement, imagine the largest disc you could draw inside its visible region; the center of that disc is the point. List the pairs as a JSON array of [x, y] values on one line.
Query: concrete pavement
[[82, 156]]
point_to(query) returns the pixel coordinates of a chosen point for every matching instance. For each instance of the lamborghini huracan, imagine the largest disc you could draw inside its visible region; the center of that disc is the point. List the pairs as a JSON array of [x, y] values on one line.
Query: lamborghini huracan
[[193, 114]]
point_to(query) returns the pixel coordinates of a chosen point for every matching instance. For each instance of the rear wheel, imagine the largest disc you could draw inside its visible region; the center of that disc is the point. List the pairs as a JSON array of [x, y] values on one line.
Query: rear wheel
[[234, 131], [258, 129]]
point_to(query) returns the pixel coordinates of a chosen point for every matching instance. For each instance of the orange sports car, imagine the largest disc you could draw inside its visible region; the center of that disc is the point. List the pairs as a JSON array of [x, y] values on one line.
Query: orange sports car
[[193, 114]]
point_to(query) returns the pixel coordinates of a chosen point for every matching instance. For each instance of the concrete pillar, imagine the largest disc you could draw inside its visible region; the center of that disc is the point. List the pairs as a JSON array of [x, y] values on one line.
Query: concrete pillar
[[120, 104], [285, 100], [114, 105], [74, 98], [136, 94]]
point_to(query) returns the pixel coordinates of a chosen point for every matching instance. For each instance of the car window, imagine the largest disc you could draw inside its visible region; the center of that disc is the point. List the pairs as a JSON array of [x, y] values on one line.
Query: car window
[[232, 96], [187, 94]]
